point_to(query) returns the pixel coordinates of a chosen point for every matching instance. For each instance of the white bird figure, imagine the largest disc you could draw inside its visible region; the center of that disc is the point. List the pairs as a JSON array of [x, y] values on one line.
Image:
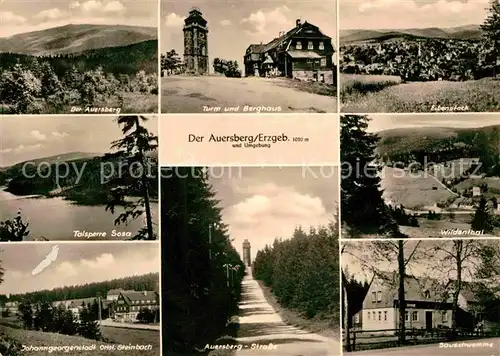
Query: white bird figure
[[51, 257]]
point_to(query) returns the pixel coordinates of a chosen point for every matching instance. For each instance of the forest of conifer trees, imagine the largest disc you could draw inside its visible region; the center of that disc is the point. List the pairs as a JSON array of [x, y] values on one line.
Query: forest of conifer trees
[[97, 78], [303, 272]]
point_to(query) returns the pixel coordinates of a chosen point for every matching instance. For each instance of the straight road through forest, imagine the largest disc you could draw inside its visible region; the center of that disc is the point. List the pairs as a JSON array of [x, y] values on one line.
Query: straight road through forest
[[264, 333]]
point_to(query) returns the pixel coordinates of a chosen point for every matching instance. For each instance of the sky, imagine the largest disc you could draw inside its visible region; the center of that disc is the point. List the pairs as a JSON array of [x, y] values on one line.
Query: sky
[[19, 16], [264, 203], [76, 264], [234, 25], [387, 122], [393, 14], [357, 254], [28, 137]]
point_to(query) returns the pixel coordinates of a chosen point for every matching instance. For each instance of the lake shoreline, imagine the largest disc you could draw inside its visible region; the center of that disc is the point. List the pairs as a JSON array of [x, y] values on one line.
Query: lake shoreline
[[55, 218], [70, 198]]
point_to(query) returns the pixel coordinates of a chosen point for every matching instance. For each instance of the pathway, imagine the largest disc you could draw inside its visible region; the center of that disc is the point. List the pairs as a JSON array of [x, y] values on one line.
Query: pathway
[[263, 332]]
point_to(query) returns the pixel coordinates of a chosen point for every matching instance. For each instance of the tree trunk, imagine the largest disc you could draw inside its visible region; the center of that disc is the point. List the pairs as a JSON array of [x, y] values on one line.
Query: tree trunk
[[458, 286], [347, 317], [145, 190], [401, 293]]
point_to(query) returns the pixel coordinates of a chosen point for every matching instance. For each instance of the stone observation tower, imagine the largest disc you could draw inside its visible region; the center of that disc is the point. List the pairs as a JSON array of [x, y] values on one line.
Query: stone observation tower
[[195, 43], [247, 255]]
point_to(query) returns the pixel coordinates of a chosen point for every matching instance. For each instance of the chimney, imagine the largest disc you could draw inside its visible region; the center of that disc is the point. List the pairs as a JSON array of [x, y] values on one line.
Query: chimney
[[145, 293], [297, 22]]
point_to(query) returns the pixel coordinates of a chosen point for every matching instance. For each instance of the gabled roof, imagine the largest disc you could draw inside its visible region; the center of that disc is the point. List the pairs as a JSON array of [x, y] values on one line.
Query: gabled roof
[[77, 303], [275, 42], [415, 288], [255, 48], [115, 291]]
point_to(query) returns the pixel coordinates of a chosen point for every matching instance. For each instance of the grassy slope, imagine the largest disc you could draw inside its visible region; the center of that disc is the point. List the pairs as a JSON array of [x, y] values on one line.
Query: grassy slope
[[414, 192], [479, 95], [76, 38]]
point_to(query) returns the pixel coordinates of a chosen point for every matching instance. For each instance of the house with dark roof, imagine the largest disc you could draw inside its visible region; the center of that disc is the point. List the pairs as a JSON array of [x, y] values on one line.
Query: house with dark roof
[[76, 305], [113, 294], [428, 305], [130, 303], [304, 53]]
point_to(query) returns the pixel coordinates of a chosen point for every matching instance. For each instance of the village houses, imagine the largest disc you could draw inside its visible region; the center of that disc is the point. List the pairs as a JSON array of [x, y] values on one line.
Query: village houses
[[428, 305], [121, 305], [303, 52]]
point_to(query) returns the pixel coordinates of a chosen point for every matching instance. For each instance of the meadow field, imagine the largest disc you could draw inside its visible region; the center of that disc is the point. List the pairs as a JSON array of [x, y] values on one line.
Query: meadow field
[[413, 191], [361, 93]]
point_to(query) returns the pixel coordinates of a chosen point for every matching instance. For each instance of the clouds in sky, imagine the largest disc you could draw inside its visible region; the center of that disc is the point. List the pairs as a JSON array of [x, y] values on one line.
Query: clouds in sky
[[26, 138], [19, 17], [392, 14], [264, 21], [76, 264], [234, 25]]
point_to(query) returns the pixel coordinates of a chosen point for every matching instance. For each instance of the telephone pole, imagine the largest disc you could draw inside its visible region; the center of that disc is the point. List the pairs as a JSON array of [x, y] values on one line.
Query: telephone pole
[[99, 308], [210, 241]]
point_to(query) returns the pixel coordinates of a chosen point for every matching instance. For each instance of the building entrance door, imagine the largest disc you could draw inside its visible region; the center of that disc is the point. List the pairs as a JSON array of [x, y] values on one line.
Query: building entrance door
[[428, 320]]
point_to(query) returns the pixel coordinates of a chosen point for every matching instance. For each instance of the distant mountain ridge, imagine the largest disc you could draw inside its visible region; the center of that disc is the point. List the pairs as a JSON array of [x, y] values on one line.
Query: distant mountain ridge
[[467, 32], [76, 38], [63, 157]]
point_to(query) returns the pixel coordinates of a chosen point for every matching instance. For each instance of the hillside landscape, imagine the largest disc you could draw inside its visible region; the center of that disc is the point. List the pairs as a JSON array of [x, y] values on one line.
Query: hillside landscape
[[423, 181], [83, 66], [76, 38], [113, 193], [429, 69], [442, 175], [468, 32]]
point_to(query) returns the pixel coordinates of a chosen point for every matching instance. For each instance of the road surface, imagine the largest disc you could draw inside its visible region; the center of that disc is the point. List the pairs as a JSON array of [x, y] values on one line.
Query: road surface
[[183, 94], [483, 347], [261, 326]]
